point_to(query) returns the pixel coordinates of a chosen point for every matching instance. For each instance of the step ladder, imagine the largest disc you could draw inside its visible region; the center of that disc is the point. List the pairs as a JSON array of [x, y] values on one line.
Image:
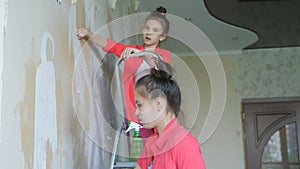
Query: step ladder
[[113, 163]]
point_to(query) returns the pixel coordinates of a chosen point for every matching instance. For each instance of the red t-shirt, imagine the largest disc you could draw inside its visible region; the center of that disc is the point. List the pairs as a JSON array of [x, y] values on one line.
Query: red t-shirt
[[130, 68], [175, 148]]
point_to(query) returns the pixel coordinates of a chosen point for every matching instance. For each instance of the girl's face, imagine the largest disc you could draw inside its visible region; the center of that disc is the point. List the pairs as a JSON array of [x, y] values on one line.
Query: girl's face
[[152, 33], [147, 111]]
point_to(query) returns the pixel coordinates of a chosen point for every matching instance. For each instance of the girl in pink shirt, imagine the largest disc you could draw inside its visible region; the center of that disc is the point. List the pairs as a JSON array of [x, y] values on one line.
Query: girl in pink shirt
[[158, 100], [154, 31]]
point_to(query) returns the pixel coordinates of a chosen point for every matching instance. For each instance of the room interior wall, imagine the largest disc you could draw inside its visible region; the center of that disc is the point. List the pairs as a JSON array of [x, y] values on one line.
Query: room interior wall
[[40, 60], [269, 73], [257, 73], [213, 148], [2, 30], [50, 82]]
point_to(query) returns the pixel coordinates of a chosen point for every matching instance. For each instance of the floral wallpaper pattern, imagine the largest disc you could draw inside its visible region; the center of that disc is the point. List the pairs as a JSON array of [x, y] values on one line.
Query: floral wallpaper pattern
[[269, 73]]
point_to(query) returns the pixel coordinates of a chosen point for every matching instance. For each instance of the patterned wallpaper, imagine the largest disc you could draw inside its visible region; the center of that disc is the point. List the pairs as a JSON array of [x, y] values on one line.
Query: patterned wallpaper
[[269, 73]]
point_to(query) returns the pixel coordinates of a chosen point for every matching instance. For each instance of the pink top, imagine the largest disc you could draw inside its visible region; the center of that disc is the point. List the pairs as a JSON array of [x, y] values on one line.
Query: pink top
[[175, 148], [130, 68]]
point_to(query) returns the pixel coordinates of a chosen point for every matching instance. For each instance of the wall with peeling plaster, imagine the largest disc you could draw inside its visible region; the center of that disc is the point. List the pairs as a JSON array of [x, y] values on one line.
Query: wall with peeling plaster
[[56, 100], [56, 105]]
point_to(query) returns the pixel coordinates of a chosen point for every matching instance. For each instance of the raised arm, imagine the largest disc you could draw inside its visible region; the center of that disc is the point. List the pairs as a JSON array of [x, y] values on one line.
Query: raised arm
[[82, 33]]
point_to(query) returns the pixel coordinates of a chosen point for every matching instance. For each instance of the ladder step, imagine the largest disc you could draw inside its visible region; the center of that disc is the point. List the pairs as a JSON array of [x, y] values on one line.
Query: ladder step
[[125, 165]]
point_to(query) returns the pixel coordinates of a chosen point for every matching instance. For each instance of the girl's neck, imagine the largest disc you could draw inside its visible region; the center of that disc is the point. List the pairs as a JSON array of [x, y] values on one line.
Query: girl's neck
[[164, 122], [150, 48]]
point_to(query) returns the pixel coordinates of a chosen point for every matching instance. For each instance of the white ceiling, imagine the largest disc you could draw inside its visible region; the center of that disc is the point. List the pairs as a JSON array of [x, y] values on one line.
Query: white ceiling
[[183, 33]]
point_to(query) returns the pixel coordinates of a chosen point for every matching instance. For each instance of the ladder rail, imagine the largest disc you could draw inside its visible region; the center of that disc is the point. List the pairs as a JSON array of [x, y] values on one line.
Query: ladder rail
[[115, 146], [143, 55]]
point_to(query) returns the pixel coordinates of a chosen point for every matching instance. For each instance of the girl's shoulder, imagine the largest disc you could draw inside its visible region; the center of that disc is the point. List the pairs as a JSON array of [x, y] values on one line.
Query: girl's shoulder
[[163, 51], [165, 54], [186, 138]]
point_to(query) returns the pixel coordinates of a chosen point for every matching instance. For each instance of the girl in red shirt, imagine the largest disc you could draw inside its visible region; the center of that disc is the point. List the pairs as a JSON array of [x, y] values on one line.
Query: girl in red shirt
[[154, 31], [158, 101]]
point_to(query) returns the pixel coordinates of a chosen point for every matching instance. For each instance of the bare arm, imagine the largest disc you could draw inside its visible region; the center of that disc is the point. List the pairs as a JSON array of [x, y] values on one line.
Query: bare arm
[[82, 33], [148, 58]]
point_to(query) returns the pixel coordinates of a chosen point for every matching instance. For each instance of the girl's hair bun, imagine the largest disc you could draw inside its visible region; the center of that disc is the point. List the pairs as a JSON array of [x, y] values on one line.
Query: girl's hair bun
[[162, 70], [161, 10], [160, 74]]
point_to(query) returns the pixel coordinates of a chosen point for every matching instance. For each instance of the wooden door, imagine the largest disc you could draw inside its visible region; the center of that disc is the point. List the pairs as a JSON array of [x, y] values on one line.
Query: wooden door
[[271, 133]]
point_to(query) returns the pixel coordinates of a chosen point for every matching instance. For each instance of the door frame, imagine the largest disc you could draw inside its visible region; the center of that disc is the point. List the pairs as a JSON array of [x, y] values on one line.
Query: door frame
[[252, 142]]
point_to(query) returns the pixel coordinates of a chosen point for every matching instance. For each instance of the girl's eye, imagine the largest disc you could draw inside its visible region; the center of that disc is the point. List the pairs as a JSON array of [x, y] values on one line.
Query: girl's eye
[[139, 105], [155, 30]]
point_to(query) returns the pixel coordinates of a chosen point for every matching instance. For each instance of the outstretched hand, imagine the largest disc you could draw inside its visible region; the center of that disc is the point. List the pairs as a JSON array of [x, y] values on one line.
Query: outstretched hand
[[127, 53], [82, 33]]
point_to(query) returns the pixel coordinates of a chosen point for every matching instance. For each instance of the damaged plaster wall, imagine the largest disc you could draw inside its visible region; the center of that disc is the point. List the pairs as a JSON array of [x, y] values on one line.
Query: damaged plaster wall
[[3, 19], [56, 100]]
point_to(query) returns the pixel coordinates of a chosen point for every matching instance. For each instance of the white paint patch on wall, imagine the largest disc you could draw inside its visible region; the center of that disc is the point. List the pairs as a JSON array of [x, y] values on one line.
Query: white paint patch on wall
[[3, 23], [112, 3], [45, 128], [72, 33]]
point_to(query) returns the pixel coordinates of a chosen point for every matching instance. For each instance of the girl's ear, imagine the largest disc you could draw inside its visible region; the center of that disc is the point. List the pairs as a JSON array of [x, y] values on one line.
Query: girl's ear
[[162, 37], [160, 103]]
